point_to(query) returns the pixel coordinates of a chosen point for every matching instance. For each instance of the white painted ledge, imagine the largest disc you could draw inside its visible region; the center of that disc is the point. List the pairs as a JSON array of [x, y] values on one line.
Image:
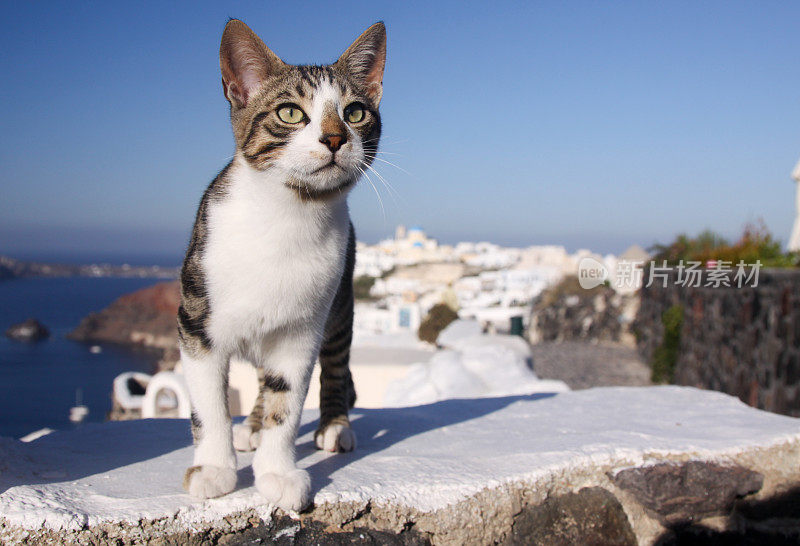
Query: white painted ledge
[[422, 458]]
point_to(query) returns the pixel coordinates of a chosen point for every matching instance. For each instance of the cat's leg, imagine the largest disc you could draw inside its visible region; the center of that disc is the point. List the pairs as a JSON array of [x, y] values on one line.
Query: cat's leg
[[337, 393], [246, 435], [290, 361], [213, 472]]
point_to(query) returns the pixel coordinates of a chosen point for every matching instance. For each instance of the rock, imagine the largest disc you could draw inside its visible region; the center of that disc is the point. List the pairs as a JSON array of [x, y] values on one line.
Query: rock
[[785, 507], [690, 491], [145, 318], [30, 330], [772, 520], [590, 516]]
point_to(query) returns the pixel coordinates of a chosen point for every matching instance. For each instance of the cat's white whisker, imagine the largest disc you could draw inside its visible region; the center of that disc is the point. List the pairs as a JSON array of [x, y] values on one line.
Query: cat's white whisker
[[372, 168], [378, 195], [381, 178], [395, 166], [389, 187]]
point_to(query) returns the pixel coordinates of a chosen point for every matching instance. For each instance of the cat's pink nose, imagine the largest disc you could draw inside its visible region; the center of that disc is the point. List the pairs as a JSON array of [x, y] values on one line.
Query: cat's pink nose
[[333, 142]]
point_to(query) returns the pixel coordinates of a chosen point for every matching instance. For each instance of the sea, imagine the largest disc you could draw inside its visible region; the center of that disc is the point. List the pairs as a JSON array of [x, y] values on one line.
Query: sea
[[40, 382]]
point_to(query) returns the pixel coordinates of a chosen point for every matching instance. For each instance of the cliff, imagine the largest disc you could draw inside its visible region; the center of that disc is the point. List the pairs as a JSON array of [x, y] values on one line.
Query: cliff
[[649, 465], [145, 318]]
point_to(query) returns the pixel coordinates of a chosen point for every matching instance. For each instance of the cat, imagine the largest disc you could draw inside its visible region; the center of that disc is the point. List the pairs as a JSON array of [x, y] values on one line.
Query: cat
[[268, 274]]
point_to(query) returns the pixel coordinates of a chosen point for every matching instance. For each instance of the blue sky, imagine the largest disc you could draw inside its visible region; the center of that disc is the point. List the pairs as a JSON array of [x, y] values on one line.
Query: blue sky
[[588, 124]]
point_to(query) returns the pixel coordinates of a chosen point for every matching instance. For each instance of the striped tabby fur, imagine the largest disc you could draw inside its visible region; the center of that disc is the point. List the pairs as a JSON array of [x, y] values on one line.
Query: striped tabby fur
[[268, 275]]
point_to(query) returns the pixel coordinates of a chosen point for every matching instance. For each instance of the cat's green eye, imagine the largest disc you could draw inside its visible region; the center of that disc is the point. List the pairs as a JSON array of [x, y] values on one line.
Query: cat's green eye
[[291, 114], [354, 113]]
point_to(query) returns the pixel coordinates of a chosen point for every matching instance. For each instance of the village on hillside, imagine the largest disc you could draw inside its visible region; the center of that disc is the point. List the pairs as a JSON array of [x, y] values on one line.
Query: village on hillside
[[399, 280]]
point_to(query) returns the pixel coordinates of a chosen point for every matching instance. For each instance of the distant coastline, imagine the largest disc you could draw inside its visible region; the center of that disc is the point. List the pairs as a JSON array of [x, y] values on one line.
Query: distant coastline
[[11, 268]]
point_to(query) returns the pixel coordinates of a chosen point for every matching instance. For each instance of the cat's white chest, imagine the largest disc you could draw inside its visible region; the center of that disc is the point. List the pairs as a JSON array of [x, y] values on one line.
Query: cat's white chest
[[271, 261]]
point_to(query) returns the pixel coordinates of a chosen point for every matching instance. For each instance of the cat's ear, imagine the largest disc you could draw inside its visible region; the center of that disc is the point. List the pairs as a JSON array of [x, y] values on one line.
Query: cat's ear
[[245, 63], [365, 59]]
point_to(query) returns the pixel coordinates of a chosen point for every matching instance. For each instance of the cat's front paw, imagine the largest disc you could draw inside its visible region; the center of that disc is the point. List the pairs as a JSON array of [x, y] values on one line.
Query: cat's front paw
[[336, 437], [244, 439], [206, 482], [288, 491]]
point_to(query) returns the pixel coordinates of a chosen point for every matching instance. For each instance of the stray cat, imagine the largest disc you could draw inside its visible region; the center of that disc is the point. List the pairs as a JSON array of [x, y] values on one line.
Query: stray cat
[[268, 275]]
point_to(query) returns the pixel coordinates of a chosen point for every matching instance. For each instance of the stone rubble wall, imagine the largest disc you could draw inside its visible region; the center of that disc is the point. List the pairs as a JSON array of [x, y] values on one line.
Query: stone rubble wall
[[741, 341], [567, 312]]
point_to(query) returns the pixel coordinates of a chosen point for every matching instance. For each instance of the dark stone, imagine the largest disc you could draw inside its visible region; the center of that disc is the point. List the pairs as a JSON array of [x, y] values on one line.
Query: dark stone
[[785, 301], [779, 399], [771, 521], [690, 491], [286, 531], [792, 370], [784, 506], [30, 330], [592, 516], [797, 330], [697, 535], [781, 365]]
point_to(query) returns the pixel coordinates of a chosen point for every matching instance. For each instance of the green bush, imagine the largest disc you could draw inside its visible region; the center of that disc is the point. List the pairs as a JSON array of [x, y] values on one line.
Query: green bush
[[755, 243], [666, 355], [437, 320], [361, 287]]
